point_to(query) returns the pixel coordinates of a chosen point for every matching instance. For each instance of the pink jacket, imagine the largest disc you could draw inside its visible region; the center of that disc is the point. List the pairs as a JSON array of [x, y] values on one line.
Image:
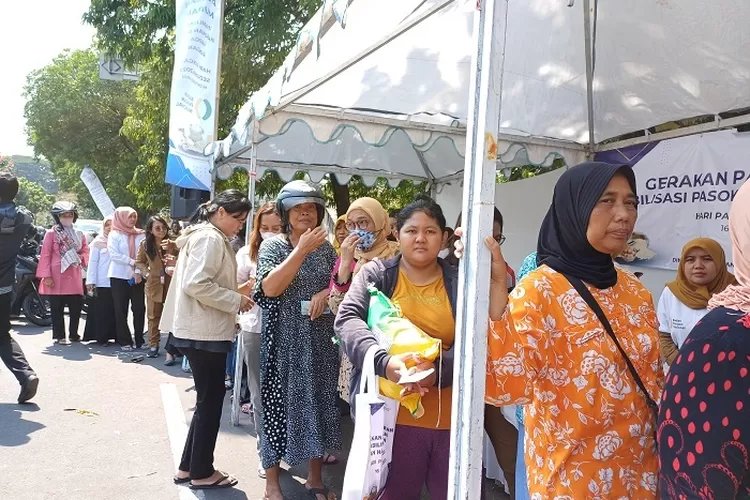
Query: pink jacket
[[71, 281]]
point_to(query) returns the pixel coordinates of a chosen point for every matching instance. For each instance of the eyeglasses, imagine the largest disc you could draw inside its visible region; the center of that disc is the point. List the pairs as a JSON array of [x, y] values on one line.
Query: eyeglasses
[[358, 224], [499, 238]]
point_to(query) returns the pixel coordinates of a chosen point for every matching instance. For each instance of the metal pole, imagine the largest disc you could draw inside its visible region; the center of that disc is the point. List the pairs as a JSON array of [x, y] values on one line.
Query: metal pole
[[467, 426], [588, 48], [220, 13]]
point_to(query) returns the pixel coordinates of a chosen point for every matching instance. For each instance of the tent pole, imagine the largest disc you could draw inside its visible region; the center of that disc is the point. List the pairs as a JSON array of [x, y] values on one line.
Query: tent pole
[[252, 174], [588, 48], [467, 425]]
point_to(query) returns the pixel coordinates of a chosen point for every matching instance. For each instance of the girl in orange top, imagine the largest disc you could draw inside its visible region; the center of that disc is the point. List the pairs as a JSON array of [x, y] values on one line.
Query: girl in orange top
[[590, 429]]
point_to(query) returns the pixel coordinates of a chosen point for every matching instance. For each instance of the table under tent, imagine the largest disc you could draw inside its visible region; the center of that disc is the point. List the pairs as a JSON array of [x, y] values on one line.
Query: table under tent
[[391, 89]]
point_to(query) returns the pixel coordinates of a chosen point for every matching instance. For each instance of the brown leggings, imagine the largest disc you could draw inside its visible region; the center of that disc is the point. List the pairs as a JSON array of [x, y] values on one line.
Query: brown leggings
[[153, 311]]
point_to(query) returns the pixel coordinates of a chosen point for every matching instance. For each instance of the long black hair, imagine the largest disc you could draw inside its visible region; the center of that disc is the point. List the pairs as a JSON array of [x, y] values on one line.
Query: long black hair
[[231, 200], [152, 249]]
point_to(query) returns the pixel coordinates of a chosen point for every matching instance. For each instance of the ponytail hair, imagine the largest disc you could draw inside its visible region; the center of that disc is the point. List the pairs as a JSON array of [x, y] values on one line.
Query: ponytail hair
[[233, 201]]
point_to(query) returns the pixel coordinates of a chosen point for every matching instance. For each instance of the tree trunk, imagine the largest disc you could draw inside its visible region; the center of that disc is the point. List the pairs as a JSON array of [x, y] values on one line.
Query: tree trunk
[[340, 195]]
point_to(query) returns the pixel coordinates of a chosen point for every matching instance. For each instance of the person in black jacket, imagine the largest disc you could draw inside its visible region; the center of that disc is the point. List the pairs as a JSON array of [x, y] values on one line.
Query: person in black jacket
[[14, 224], [424, 287]]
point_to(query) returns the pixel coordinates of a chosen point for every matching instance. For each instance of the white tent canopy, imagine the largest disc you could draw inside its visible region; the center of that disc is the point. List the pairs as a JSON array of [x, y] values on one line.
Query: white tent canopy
[[380, 87]]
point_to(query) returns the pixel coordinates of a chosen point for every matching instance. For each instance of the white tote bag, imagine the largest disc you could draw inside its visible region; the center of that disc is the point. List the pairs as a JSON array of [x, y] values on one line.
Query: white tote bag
[[375, 421]]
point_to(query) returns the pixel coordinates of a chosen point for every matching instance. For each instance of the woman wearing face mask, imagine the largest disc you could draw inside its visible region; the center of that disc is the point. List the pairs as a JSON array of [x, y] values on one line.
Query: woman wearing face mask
[[702, 272], [100, 320], [155, 263], [368, 227], [299, 363], [266, 225], [127, 287], [590, 418], [64, 253], [201, 309]]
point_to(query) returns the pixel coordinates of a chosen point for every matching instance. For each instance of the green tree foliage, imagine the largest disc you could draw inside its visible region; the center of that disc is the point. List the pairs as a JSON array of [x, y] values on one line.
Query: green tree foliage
[[33, 196], [30, 194], [258, 34], [73, 118]]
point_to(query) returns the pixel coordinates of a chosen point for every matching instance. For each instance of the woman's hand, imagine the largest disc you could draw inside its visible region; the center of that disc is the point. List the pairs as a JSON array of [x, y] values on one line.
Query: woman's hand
[[318, 304], [48, 282], [398, 365], [348, 246], [247, 287], [498, 273], [90, 288], [246, 303], [138, 278], [311, 240]]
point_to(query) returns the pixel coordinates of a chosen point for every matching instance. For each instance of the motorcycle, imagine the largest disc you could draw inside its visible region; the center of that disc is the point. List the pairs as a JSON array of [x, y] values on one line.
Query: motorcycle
[[25, 295]]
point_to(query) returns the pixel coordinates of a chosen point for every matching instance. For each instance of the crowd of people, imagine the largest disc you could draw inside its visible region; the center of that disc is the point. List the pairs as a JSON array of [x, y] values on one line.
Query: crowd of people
[[617, 398]]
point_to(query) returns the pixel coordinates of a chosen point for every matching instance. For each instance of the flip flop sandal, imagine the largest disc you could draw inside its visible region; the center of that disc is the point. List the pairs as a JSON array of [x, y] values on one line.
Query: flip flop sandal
[[180, 480], [246, 408], [218, 484]]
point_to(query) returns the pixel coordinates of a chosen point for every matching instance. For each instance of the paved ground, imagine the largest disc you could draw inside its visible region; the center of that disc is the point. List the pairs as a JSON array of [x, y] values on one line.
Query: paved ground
[[103, 427]]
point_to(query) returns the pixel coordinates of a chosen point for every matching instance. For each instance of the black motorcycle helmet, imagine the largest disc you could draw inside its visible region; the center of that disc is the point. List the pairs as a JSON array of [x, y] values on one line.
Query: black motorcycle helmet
[[61, 207], [296, 193]]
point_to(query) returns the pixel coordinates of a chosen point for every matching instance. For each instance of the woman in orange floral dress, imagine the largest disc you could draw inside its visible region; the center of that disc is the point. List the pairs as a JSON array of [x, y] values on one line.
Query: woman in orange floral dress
[[590, 426]]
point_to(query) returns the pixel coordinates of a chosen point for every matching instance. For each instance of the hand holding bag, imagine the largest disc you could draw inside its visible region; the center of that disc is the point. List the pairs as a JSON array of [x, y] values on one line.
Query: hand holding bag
[[375, 422]]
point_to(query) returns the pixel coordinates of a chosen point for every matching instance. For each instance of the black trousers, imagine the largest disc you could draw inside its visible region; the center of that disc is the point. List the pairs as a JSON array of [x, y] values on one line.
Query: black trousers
[[10, 351], [57, 305], [122, 294], [170, 348], [100, 322], [208, 375]]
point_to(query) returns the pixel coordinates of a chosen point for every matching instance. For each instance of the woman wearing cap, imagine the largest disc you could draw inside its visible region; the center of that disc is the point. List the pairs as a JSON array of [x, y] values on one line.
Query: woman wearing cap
[[299, 363], [590, 418], [702, 272], [64, 254]]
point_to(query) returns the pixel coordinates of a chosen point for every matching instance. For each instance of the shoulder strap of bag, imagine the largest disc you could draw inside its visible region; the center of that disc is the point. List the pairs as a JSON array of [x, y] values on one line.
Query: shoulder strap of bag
[[368, 382], [585, 294]]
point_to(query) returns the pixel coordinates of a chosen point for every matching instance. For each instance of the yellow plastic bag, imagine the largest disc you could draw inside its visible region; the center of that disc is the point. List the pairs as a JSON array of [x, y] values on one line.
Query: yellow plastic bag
[[400, 336]]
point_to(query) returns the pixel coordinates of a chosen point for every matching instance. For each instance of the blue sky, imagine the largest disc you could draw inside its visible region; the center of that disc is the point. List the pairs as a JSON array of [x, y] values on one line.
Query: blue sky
[[33, 32]]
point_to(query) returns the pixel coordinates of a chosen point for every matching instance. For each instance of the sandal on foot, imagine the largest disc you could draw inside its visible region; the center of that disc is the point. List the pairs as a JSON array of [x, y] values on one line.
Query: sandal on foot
[[330, 459], [314, 492], [219, 483], [180, 480]]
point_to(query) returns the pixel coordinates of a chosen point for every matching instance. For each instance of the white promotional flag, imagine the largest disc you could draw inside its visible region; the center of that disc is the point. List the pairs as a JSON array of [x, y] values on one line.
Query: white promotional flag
[[97, 191], [192, 102]]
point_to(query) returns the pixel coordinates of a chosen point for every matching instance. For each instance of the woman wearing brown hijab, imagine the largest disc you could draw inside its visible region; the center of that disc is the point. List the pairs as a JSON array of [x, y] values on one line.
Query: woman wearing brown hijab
[[702, 273]]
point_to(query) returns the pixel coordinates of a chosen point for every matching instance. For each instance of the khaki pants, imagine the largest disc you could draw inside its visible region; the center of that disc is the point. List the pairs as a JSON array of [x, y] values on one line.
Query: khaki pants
[[153, 311]]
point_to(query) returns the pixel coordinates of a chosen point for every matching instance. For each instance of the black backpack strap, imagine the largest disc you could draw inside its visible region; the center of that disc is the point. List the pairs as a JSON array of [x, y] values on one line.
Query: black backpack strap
[[585, 294]]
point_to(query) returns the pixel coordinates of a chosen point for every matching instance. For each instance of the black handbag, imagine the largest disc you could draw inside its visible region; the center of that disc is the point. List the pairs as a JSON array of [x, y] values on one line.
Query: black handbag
[[594, 305]]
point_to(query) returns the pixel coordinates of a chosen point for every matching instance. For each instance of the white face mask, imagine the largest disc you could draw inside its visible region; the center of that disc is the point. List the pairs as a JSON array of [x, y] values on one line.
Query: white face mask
[[444, 253], [266, 235], [67, 222]]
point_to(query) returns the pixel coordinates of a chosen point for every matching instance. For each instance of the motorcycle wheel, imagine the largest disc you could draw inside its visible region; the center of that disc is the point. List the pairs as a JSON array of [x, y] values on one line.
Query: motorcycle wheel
[[37, 309]]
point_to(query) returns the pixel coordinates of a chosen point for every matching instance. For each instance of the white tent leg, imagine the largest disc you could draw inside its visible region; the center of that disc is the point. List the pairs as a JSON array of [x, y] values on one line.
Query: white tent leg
[[467, 431]]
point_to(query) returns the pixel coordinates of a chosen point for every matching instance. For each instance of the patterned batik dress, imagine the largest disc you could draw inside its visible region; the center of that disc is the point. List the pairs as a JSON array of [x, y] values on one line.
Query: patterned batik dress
[[299, 363], [589, 430]]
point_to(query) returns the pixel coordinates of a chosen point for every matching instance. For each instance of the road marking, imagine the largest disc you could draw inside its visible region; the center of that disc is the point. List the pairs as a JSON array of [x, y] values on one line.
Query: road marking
[[177, 430]]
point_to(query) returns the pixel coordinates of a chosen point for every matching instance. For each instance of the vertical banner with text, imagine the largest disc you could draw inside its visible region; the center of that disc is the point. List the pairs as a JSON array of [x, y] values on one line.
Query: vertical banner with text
[[192, 103]]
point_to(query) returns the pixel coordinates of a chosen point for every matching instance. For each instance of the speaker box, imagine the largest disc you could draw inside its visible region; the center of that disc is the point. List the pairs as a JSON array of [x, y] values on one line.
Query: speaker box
[[186, 201]]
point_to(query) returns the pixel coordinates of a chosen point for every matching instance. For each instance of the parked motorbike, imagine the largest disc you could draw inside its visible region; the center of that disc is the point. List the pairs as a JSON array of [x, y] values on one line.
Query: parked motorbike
[[25, 296]]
